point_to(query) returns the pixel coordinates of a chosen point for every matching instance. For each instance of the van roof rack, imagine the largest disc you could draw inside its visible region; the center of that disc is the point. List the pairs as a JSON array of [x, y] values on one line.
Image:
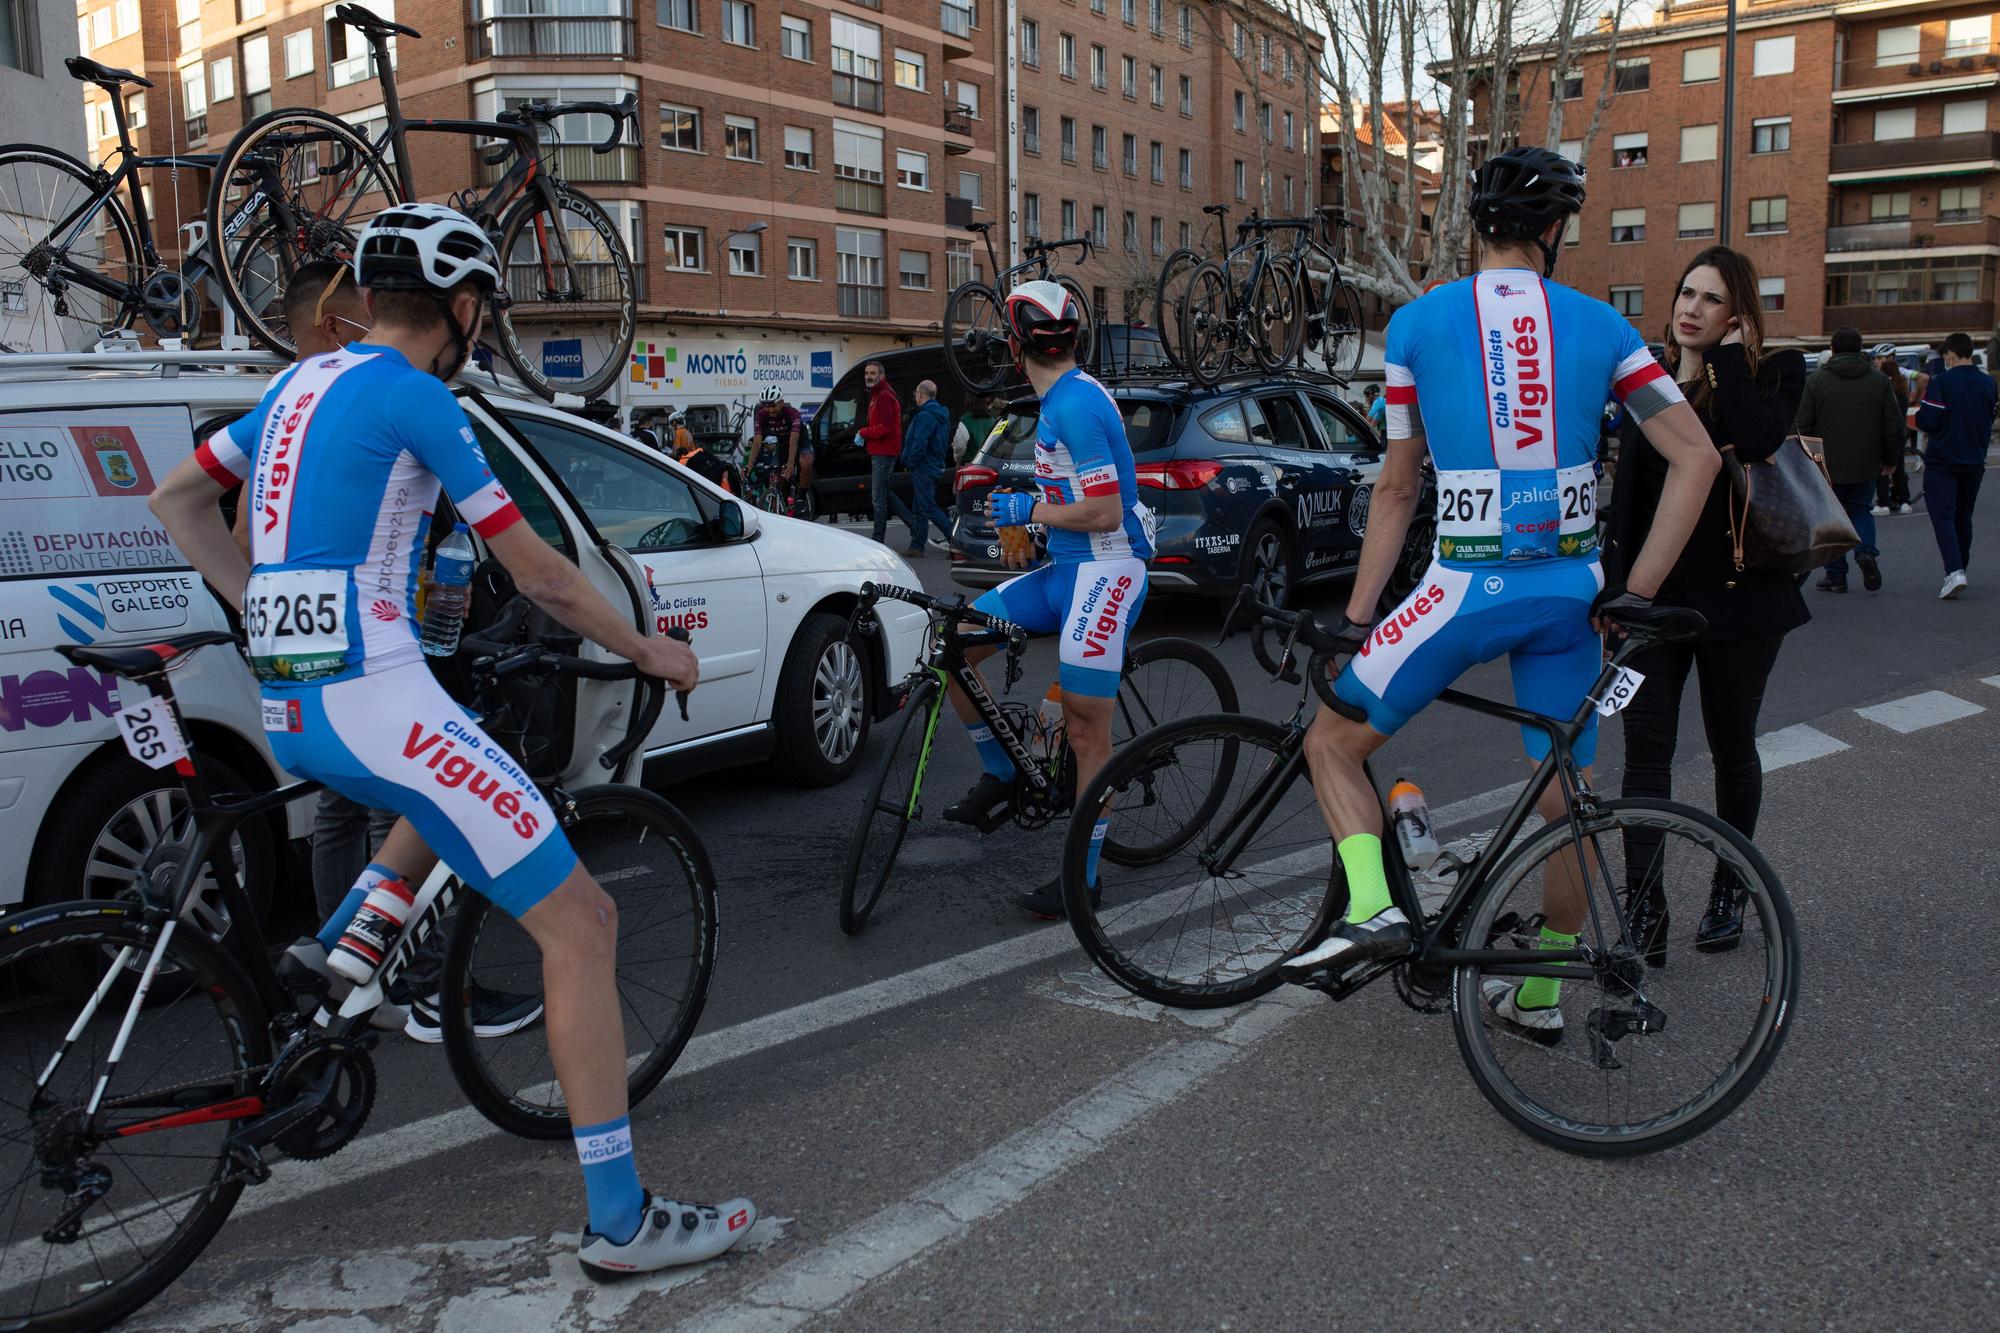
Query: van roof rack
[[1169, 377]]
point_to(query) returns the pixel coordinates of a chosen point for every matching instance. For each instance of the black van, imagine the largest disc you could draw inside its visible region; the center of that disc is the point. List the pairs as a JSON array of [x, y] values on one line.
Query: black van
[[840, 462]]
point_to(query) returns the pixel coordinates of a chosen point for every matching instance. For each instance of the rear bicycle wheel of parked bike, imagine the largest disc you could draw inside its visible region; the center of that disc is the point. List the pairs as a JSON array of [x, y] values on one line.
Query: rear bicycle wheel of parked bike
[[651, 862], [1168, 294], [42, 308], [566, 269], [1207, 333], [1660, 1036], [142, 1205], [1164, 680]]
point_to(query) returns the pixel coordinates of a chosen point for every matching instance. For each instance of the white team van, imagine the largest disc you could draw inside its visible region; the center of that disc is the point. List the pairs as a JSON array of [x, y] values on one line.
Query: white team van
[[84, 439]]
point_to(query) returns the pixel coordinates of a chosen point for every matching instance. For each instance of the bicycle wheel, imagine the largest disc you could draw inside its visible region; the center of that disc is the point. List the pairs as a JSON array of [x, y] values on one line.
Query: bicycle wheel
[[649, 859], [1276, 315], [1342, 338], [1657, 1041], [975, 338], [568, 276], [316, 182], [1166, 679], [895, 800], [42, 191], [1167, 296], [167, 1188], [1086, 331], [1208, 330], [1187, 929]]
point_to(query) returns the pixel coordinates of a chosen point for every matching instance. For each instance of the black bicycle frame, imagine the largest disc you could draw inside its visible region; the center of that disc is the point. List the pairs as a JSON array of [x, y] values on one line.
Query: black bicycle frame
[[990, 712]]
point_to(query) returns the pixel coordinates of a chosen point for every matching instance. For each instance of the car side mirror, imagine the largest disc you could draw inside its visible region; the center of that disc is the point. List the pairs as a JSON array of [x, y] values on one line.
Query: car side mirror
[[729, 522]]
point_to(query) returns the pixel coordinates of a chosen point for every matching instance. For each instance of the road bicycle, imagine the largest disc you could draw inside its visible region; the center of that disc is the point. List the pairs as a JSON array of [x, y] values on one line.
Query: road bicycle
[[1658, 1040], [1256, 309], [569, 297], [1171, 288], [132, 1118], [975, 316], [76, 261], [1163, 678], [1334, 337]]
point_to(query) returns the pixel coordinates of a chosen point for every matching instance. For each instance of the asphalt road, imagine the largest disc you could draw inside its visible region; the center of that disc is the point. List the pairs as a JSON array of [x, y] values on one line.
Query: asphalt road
[[952, 1121]]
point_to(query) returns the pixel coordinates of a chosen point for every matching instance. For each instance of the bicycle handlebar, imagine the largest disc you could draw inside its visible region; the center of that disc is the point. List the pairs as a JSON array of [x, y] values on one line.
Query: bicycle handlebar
[[1302, 627], [1034, 249], [544, 113]]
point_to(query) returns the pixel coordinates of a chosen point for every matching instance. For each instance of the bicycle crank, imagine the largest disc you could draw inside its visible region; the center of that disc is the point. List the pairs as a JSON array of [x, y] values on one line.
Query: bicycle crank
[[171, 304], [327, 1086]]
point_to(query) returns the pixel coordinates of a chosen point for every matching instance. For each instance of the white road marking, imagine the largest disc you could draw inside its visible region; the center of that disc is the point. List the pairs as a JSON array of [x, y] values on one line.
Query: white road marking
[[1795, 745], [950, 1206], [1919, 711], [1994, 681]]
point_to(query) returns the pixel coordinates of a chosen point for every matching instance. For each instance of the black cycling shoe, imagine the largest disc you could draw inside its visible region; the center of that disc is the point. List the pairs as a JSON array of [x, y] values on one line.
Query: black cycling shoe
[[1384, 935], [1047, 901], [978, 806], [1721, 927]]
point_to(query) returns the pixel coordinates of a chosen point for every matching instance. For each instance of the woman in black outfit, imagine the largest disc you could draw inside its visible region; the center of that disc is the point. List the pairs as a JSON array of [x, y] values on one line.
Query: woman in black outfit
[[1747, 398]]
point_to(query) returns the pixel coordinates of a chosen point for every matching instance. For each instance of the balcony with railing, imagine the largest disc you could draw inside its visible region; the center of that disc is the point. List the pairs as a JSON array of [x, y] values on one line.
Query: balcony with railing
[[1912, 235], [1922, 151], [577, 162], [859, 302], [955, 21], [511, 29], [957, 211], [1910, 317], [1932, 61]]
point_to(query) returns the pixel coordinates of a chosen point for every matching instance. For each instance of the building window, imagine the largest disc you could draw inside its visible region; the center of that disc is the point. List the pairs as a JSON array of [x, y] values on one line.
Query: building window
[[256, 75], [1031, 130], [746, 255], [1697, 143], [739, 138], [1097, 6], [1128, 12], [1889, 206], [795, 38], [1097, 225], [298, 53], [1767, 215], [1066, 55], [246, 10], [1964, 117], [1953, 284], [1634, 75], [1098, 66], [1628, 225], [909, 70], [1031, 216], [1629, 301], [1896, 123], [1187, 26], [1288, 194], [1897, 46], [348, 58], [1568, 87], [1187, 95], [1159, 234], [1958, 203], [1068, 139], [1701, 64], [1128, 155], [1771, 135], [1187, 169], [222, 79], [194, 102], [135, 111], [680, 128], [857, 63], [1696, 220], [1242, 182], [1187, 235], [1968, 36], [858, 268], [1573, 150], [857, 169], [739, 23], [1128, 77], [968, 98], [1099, 153], [798, 147], [1155, 16], [682, 14], [1772, 55], [1069, 217], [1264, 120], [1290, 141], [1573, 231], [968, 189], [684, 248], [1236, 43], [1238, 111], [1031, 44], [802, 259], [1269, 57], [1131, 232], [1158, 159], [1156, 85], [958, 266], [1771, 293], [913, 270], [1627, 150]]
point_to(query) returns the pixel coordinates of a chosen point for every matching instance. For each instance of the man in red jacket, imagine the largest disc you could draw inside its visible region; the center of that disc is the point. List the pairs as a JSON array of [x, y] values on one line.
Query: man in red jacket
[[882, 432]]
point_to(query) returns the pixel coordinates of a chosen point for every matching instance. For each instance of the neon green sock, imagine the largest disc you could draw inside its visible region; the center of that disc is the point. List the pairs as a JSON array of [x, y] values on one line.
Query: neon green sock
[[1367, 881], [1543, 992]]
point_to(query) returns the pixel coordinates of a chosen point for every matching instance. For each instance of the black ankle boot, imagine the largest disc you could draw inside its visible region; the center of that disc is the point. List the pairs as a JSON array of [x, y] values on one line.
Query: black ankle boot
[[1721, 927], [1649, 919]]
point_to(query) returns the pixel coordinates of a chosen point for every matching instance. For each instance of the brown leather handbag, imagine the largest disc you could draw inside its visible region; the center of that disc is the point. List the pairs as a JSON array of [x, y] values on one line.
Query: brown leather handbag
[[1783, 515]]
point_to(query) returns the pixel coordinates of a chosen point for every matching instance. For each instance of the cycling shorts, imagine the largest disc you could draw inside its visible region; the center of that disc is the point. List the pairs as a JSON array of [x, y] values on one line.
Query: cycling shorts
[[1536, 613], [1093, 604], [396, 741]]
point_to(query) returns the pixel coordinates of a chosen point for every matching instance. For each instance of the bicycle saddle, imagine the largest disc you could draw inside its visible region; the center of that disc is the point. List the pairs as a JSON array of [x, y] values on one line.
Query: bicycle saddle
[[1659, 624], [140, 659], [981, 227], [1216, 210], [368, 21], [85, 70]]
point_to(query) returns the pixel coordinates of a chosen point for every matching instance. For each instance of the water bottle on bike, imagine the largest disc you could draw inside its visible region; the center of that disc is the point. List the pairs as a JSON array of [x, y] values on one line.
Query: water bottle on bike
[[1412, 818], [450, 592]]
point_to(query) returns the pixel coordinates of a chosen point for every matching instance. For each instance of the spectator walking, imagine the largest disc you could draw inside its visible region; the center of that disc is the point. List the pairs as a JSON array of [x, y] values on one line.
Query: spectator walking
[[882, 433], [1747, 397], [1853, 407], [1892, 493], [1957, 414], [924, 449], [973, 428]]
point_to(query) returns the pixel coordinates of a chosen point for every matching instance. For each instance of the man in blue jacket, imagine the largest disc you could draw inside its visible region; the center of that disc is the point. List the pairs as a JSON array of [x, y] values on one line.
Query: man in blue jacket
[[1957, 413], [926, 442]]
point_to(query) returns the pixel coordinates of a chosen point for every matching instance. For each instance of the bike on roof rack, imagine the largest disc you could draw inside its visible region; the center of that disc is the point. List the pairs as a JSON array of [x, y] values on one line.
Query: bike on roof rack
[[975, 319]]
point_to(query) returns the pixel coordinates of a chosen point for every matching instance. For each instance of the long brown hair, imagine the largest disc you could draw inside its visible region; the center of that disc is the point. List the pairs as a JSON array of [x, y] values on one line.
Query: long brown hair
[[1739, 285]]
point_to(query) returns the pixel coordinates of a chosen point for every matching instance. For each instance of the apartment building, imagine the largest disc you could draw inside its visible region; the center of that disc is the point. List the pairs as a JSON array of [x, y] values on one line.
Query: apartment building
[[35, 104], [1406, 172], [1134, 114]]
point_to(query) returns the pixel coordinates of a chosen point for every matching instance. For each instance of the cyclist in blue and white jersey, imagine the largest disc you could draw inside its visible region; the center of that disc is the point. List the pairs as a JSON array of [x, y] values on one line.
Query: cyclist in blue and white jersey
[[343, 461], [1501, 378], [1100, 538]]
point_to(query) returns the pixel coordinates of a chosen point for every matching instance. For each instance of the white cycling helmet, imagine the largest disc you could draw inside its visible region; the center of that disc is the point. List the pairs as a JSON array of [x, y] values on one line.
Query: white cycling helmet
[[773, 394], [424, 247], [1882, 349]]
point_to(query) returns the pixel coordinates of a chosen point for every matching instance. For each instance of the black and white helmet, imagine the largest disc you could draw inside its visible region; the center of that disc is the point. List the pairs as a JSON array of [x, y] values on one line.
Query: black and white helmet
[[772, 394], [424, 247], [1880, 350]]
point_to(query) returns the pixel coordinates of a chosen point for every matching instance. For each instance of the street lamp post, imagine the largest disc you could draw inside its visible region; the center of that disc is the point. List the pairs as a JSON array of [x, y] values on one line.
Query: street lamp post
[[1728, 123]]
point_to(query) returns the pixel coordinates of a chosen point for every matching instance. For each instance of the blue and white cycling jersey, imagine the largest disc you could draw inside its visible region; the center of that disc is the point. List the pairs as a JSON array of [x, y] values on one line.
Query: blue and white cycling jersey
[[1505, 375], [1080, 449], [333, 580]]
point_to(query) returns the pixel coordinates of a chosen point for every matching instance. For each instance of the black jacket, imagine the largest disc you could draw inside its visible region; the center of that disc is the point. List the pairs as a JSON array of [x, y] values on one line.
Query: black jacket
[[1755, 415], [1854, 408], [1958, 415]]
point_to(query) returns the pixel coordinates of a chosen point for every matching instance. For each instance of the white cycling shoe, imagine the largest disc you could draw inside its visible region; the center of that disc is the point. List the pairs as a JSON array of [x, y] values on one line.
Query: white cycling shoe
[[1538, 1025], [670, 1234]]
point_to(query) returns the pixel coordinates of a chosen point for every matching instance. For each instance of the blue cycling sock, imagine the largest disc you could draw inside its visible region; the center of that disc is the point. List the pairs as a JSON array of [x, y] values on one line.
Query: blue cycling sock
[[1097, 832], [991, 752], [611, 1178], [336, 924]]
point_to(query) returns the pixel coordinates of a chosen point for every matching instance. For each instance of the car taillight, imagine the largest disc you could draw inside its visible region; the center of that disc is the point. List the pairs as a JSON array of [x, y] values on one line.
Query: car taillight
[[973, 475], [1179, 475]]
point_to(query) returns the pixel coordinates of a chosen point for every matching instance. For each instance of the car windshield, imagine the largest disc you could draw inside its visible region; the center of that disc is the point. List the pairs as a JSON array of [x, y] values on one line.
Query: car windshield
[[1146, 429]]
